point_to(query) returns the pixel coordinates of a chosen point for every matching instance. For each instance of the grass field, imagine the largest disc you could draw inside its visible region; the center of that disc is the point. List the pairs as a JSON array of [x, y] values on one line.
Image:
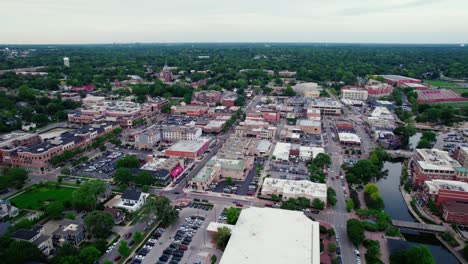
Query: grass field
[[37, 197], [440, 83]]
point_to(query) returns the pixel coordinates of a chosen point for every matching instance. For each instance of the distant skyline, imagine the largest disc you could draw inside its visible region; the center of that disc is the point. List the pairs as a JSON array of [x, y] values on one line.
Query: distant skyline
[[156, 21]]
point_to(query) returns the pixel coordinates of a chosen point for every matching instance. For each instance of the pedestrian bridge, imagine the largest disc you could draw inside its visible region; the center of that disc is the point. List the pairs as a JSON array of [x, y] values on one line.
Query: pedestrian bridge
[[400, 153], [419, 226]]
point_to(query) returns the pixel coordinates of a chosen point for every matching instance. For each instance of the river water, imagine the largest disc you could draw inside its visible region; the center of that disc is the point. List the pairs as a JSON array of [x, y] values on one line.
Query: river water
[[396, 207]]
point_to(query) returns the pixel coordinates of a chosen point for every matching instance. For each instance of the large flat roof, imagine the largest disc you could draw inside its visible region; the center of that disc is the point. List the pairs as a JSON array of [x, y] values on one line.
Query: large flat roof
[[398, 78], [273, 236], [188, 145]]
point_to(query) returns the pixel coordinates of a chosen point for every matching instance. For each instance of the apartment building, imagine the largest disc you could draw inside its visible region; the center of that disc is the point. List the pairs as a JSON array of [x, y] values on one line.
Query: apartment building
[[174, 133], [148, 138], [354, 93]]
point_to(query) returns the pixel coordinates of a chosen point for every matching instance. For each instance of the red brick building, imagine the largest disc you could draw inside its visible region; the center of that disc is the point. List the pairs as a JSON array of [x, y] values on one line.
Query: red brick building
[[442, 191], [190, 149], [438, 96], [399, 80], [84, 88], [455, 212], [432, 164], [207, 97]]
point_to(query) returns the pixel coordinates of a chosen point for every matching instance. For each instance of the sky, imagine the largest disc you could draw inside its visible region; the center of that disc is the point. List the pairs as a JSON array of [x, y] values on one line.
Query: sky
[[124, 21]]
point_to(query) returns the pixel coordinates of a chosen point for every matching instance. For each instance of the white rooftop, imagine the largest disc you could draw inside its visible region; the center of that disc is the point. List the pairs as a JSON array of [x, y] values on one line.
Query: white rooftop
[[281, 151], [434, 159], [306, 187], [273, 236], [349, 137], [435, 185]]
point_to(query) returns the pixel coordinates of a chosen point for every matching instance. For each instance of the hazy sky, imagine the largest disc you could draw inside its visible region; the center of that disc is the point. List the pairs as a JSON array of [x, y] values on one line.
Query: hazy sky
[[105, 21]]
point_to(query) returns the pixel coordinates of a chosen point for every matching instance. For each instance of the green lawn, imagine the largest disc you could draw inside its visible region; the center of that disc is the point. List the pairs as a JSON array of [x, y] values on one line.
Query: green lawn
[[456, 105], [440, 83], [37, 197]]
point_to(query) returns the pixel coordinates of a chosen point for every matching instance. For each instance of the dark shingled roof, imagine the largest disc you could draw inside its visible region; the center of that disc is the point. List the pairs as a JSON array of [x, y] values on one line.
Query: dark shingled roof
[[131, 194]]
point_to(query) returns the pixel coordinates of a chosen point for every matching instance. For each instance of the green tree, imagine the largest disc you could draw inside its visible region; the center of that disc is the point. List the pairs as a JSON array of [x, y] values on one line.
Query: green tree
[[289, 91], [229, 181], [222, 237], [99, 224], [144, 178], [128, 161], [232, 214], [321, 160], [160, 207], [465, 251], [54, 210], [85, 197], [138, 237], [89, 255], [355, 231], [331, 248], [318, 204], [123, 175], [419, 253], [349, 205], [124, 250], [12, 251]]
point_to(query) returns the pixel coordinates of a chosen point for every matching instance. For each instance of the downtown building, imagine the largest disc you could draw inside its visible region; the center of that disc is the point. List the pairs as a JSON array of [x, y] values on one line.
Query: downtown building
[[434, 164], [126, 113], [354, 93], [36, 158], [450, 197], [210, 97]]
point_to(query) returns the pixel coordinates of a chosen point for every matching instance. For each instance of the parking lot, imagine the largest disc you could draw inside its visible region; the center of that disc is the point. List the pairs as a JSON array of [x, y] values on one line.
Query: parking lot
[[183, 241], [246, 187], [100, 167]]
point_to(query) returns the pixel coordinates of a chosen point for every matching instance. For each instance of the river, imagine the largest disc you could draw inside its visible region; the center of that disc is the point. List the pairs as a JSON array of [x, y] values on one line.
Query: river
[[396, 207]]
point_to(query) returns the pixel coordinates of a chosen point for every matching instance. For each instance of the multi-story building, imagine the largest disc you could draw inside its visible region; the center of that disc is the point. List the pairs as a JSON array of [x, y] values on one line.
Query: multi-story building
[[399, 80], [455, 212], [461, 155], [327, 106], [354, 93], [7, 210], [209, 98], [294, 189], [124, 112], [313, 114], [164, 170], [378, 89], [13, 141], [189, 110], [69, 231], [173, 133], [36, 158], [432, 164], [307, 89], [229, 99], [235, 159], [268, 116], [256, 129], [190, 149], [35, 236], [287, 73], [441, 191], [310, 126], [148, 138]]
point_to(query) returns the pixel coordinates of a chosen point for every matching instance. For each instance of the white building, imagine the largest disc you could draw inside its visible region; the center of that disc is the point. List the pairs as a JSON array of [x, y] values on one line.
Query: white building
[[132, 200], [148, 138], [173, 133], [354, 93], [281, 151], [66, 62], [295, 189], [273, 236], [308, 89], [349, 139]]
